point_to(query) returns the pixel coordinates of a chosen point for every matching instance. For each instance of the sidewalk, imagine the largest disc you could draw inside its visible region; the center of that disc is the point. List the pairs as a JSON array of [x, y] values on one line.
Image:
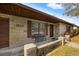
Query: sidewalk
[[74, 45]]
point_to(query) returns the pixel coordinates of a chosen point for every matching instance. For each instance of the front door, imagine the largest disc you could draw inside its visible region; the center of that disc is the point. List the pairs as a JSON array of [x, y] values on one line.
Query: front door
[[51, 30], [4, 32]]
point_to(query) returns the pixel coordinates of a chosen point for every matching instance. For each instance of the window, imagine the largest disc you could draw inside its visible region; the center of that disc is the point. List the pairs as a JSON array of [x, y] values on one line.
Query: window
[[35, 28], [39, 28], [68, 29]]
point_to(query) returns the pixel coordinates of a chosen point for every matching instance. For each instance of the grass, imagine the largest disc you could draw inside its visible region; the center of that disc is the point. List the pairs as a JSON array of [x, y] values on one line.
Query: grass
[[75, 39], [65, 51]]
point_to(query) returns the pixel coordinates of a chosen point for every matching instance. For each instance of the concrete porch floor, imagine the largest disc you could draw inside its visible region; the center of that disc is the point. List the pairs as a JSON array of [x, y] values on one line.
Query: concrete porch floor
[[18, 51]]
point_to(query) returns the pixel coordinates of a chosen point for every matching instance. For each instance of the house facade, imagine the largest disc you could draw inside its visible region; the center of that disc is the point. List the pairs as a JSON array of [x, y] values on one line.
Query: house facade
[[19, 23]]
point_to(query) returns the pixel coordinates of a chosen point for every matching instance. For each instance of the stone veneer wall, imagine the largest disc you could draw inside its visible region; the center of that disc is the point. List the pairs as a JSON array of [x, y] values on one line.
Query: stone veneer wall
[[56, 30], [72, 30], [18, 31], [63, 28], [32, 49], [45, 50], [60, 29]]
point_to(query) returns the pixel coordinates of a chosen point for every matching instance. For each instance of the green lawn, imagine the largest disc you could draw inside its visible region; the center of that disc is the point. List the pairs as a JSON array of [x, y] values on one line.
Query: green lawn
[[64, 51], [75, 39]]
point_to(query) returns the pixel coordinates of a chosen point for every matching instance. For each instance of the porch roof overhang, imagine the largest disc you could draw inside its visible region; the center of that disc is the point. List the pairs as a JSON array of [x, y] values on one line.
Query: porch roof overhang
[[28, 12]]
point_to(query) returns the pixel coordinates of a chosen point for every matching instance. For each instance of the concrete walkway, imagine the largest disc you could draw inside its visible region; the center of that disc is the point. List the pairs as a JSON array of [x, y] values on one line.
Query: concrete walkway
[[74, 45]]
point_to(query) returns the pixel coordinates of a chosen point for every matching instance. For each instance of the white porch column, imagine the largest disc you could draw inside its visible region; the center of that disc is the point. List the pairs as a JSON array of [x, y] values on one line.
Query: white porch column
[[62, 39], [48, 30]]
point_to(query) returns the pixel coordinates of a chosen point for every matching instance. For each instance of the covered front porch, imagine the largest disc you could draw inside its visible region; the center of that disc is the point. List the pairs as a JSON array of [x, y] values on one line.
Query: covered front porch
[[41, 32]]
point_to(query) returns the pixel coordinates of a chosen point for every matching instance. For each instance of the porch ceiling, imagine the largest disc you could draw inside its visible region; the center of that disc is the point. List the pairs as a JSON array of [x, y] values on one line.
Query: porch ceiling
[[25, 11]]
